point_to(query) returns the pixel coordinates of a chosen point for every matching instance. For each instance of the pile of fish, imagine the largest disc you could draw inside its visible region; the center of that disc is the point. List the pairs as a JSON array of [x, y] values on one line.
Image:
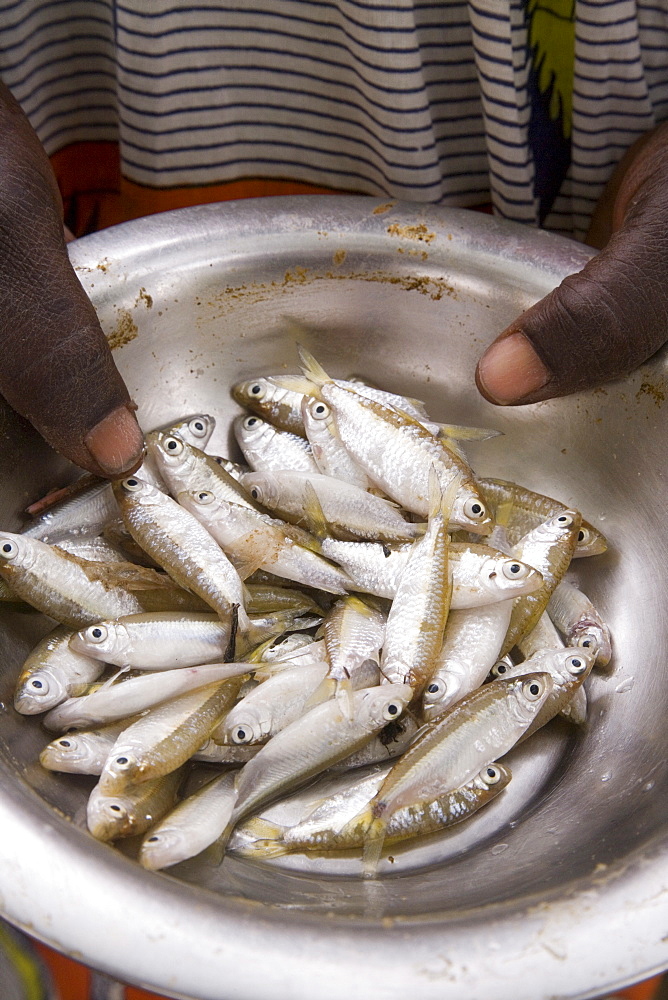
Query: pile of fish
[[352, 610]]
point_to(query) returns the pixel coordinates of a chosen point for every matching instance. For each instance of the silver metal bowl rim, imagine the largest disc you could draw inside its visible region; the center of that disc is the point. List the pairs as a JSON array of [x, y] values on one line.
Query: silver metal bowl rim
[[88, 900]]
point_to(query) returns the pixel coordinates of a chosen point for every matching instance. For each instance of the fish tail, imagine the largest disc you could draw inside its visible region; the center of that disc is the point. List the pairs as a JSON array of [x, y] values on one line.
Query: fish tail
[[296, 383], [311, 368]]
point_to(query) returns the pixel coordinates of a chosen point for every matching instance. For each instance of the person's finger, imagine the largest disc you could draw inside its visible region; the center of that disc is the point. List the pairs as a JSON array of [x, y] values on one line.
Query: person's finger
[[603, 322], [56, 367]]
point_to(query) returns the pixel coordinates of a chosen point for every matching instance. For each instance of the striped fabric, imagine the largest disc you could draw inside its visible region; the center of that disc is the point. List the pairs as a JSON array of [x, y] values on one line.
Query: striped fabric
[[425, 100]]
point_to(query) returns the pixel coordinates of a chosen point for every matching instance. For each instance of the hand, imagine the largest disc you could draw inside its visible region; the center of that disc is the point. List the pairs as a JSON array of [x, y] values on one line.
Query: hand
[[603, 322], [55, 366]]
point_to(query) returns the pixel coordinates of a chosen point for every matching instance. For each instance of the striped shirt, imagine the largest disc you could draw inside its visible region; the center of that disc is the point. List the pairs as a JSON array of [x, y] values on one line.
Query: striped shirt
[[527, 104]]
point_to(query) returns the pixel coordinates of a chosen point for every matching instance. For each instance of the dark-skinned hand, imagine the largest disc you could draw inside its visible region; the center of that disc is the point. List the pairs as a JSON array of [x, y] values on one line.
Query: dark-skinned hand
[[604, 321], [56, 367]]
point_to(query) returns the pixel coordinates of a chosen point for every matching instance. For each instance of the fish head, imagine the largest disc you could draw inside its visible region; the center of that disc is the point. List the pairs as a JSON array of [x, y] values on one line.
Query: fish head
[[492, 779], [66, 750], [204, 504], [121, 768], [564, 526], [502, 575], [195, 430], [285, 645], [317, 416], [253, 392], [108, 816], [527, 694], [39, 691], [470, 511], [16, 551], [377, 706], [443, 690], [261, 487], [163, 847], [590, 637], [102, 640], [133, 490], [252, 430], [590, 542], [572, 665], [169, 449], [245, 725]]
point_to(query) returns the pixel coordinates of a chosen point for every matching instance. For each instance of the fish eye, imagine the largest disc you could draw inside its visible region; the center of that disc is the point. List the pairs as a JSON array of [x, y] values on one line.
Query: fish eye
[[513, 570], [319, 410], [124, 761], [153, 839], [391, 711], [533, 690], [257, 390], [41, 686], [563, 521], [491, 775], [96, 633], [242, 734], [475, 510], [10, 550], [583, 535], [587, 642], [576, 665], [500, 669], [250, 422], [256, 493], [116, 808], [64, 743], [197, 427], [206, 496], [436, 690], [132, 485], [173, 445]]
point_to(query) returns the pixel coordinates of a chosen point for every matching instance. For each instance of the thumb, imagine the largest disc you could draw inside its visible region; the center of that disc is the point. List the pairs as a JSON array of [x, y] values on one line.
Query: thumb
[[57, 369], [604, 321]]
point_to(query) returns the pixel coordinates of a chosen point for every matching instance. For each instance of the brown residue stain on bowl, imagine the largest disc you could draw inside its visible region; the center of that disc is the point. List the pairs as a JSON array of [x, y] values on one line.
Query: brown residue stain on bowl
[[145, 298], [124, 331], [385, 207], [297, 276], [339, 258], [653, 391], [419, 232], [412, 252]]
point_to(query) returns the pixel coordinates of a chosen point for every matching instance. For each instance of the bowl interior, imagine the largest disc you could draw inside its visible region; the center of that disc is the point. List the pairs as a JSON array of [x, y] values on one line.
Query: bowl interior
[[196, 300]]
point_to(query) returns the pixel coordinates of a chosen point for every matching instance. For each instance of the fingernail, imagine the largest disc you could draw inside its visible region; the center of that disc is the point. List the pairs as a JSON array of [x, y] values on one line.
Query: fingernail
[[116, 443], [510, 370]]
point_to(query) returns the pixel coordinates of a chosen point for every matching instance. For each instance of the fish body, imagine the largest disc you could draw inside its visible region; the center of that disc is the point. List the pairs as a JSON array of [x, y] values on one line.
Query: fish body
[[482, 727], [327, 448], [250, 539], [195, 823], [471, 644], [320, 738], [53, 672], [129, 697], [266, 448], [549, 549], [167, 736], [180, 544], [348, 510], [354, 633], [185, 467]]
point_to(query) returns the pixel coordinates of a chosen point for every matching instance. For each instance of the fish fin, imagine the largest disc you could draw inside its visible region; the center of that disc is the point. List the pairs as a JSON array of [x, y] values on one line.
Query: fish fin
[[453, 447], [344, 697], [261, 829], [314, 513], [374, 838], [499, 539], [311, 368], [261, 850], [323, 692], [462, 433]]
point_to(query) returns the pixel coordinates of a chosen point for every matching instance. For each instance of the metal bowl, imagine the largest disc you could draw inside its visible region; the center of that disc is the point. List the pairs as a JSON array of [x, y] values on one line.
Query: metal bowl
[[559, 888]]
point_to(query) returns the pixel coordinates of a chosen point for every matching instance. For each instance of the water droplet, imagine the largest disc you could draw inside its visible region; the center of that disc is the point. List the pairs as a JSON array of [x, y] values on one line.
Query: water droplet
[[625, 685], [499, 848], [606, 776], [513, 823], [479, 745], [3, 707], [648, 787]]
